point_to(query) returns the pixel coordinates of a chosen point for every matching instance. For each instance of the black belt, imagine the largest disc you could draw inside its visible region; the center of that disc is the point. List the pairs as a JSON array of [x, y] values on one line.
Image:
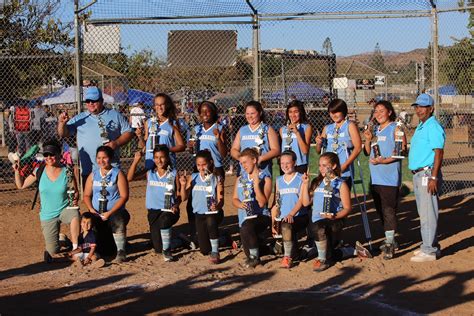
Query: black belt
[[419, 169]]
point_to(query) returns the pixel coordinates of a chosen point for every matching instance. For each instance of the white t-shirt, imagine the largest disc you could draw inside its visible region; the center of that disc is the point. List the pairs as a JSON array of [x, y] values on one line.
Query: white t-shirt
[[137, 117]]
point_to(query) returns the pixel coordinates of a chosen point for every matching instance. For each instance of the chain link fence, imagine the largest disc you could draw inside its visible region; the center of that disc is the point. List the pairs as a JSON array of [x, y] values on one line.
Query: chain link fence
[[306, 50]]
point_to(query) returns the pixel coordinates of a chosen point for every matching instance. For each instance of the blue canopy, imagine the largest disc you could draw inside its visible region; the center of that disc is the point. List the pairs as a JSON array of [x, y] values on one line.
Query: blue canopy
[[448, 89], [134, 96], [303, 91]]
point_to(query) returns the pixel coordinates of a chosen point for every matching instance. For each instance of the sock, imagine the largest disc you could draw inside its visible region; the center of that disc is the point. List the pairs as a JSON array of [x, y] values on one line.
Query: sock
[[165, 238], [120, 241], [389, 236], [287, 247], [74, 246], [348, 252], [322, 247], [214, 245], [254, 252]]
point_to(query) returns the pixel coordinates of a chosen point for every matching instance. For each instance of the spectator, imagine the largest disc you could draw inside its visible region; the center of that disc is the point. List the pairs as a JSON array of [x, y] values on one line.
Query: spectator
[[38, 116], [22, 126]]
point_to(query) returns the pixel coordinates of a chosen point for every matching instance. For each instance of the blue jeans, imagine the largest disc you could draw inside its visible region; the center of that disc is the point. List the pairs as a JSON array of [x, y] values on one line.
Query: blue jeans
[[427, 206]]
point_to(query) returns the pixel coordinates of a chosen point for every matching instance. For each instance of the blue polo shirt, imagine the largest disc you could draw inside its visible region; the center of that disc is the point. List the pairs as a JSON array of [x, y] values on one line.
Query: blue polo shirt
[[428, 137], [85, 125]]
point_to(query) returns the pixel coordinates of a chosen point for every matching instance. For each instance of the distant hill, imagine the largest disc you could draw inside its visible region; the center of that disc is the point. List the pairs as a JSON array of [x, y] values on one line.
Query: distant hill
[[391, 58]]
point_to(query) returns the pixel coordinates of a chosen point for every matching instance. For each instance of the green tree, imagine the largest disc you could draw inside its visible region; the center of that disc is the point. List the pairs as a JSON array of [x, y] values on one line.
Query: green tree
[[327, 47], [32, 47], [458, 66]]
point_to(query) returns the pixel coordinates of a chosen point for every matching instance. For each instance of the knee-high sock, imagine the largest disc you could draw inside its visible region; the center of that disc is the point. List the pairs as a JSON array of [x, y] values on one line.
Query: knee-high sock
[[254, 252], [322, 247], [389, 236], [287, 248], [166, 238], [120, 240], [214, 245]]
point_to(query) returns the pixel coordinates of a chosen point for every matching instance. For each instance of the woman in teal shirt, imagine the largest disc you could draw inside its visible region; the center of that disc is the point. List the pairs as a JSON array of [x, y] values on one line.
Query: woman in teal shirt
[[53, 186]]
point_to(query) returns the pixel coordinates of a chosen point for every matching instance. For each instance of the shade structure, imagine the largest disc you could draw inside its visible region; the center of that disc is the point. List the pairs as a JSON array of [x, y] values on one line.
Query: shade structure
[[68, 95]]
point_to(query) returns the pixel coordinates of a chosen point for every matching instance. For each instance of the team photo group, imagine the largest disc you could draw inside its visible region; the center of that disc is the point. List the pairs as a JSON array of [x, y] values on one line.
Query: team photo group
[[284, 206]]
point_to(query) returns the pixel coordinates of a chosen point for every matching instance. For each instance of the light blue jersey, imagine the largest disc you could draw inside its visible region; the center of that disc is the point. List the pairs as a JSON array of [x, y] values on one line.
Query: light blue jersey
[[110, 179], [290, 194], [245, 180], [53, 195], [200, 190], [257, 138], [207, 140], [157, 187], [318, 199], [86, 126], [385, 174], [338, 141], [165, 136], [428, 136], [301, 159]]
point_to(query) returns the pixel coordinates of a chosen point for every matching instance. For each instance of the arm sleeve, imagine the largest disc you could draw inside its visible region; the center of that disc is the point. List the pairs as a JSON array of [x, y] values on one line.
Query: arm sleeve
[[124, 124], [437, 137], [71, 126]]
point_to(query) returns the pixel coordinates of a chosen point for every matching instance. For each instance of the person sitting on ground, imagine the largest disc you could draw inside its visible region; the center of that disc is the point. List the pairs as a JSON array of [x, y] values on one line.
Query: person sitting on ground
[[85, 253]]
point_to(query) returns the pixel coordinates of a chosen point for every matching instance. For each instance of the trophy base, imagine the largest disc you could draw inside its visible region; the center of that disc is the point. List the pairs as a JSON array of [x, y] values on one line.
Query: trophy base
[[397, 157], [167, 210], [287, 148], [75, 208], [250, 217], [211, 212]]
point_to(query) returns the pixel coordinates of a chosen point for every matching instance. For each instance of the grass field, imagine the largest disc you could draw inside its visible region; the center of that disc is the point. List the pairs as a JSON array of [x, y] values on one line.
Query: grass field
[[364, 163]]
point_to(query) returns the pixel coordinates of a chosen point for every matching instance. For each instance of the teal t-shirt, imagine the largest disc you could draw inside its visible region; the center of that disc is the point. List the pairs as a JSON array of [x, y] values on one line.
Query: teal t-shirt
[[428, 137], [53, 195]]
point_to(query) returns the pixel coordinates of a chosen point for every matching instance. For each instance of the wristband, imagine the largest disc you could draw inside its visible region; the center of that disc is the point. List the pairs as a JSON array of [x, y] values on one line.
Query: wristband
[[433, 178]]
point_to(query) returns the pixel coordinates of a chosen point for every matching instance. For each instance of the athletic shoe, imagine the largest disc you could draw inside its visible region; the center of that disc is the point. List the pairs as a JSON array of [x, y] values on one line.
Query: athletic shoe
[[320, 265], [121, 256], [192, 245], [47, 257], [388, 251], [252, 262], [396, 246], [286, 262], [438, 253], [362, 252], [214, 257], [99, 263], [167, 256], [64, 242], [423, 257]]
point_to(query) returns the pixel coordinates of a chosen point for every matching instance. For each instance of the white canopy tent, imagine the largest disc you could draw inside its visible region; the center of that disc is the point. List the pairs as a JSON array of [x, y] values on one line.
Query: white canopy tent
[[68, 95]]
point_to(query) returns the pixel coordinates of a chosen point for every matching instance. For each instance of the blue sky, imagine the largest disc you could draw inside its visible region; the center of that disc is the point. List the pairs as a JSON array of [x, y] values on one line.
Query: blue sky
[[348, 37]]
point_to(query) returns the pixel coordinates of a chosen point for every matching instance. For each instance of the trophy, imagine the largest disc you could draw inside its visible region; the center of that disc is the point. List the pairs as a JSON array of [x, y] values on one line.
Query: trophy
[[169, 191], [328, 190], [153, 133], [260, 140], [210, 199], [288, 138], [193, 136], [248, 200], [374, 145], [335, 143], [103, 130], [278, 218], [324, 145], [399, 133], [71, 192], [103, 195]]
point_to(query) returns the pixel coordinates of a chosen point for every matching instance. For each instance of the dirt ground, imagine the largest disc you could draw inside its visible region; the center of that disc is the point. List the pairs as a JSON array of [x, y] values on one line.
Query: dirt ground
[[147, 285]]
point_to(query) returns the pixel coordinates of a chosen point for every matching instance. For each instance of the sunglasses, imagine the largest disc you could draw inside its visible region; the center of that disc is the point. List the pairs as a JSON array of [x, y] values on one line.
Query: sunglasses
[[48, 155], [91, 101]]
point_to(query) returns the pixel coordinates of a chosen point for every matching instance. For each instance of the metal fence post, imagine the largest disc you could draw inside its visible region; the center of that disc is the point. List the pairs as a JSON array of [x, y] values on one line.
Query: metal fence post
[[256, 57], [434, 57], [77, 45]]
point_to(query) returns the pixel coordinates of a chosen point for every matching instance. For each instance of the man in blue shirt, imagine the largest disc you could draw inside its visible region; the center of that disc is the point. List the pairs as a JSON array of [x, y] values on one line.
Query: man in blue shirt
[[424, 161], [95, 127]]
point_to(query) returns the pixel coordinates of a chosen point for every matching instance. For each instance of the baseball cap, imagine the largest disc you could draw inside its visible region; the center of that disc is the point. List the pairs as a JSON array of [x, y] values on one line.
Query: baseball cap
[[51, 149], [424, 100], [93, 94]]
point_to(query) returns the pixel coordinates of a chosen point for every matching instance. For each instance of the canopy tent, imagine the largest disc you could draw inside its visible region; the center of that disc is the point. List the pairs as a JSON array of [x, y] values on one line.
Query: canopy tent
[[133, 96], [68, 95], [303, 91], [232, 99], [448, 89]]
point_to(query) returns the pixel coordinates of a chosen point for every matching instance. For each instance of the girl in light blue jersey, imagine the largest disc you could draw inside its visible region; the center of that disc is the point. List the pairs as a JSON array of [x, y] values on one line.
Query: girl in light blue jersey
[[109, 185], [258, 135], [162, 198], [288, 206], [385, 172], [165, 127], [207, 203], [251, 193], [341, 137], [296, 135], [326, 223]]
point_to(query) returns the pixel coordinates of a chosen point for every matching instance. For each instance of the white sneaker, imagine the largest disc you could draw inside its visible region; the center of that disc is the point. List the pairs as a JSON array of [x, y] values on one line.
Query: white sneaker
[[418, 251], [423, 257]]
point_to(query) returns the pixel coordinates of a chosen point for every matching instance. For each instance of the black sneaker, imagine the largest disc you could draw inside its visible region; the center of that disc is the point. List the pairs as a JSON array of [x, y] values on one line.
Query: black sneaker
[[121, 256], [167, 256], [47, 257], [252, 262], [388, 251]]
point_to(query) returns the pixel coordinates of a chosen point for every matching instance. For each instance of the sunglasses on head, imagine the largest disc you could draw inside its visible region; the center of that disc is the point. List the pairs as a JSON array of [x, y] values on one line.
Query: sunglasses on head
[[48, 155]]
